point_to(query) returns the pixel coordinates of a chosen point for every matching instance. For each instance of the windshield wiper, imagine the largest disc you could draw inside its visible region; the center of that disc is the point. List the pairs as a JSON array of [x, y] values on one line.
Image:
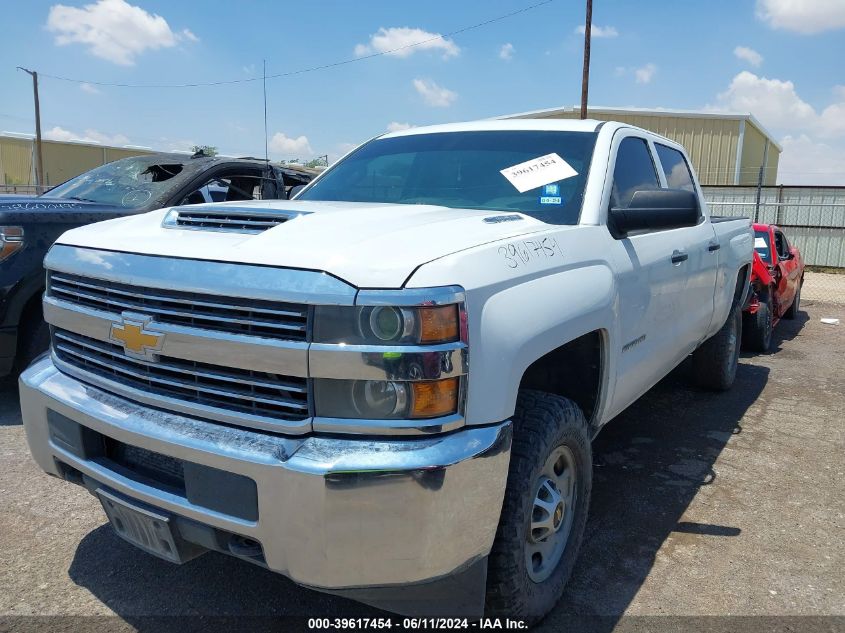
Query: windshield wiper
[[76, 198]]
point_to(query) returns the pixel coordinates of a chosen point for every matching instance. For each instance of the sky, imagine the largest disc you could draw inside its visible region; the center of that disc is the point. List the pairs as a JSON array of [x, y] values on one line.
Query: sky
[[780, 60]]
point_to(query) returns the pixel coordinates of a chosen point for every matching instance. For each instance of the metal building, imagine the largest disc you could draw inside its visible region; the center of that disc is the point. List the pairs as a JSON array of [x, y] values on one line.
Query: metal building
[[62, 160], [725, 148]]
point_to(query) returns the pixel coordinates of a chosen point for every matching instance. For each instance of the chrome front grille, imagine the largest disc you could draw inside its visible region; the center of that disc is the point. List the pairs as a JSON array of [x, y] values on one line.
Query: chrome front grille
[[284, 321], [230, 389]]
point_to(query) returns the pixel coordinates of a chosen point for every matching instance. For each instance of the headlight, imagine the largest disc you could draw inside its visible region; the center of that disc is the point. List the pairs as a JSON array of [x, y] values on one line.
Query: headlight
[[396, 355], [386, 399], [11, 241], [386, 325]]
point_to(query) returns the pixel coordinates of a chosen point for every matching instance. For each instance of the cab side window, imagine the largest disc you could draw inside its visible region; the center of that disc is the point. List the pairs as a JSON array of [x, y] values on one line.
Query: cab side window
[[781, 245], [634, 171], [244, 184], [675, 168]]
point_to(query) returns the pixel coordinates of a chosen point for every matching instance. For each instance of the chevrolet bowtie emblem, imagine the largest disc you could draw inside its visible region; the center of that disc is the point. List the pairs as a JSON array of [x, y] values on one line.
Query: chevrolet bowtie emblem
[[137, 340]]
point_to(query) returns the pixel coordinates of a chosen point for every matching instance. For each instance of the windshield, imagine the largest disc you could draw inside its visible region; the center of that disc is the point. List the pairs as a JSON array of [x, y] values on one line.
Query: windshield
[[130, 183], [762, 246], [464, 170]]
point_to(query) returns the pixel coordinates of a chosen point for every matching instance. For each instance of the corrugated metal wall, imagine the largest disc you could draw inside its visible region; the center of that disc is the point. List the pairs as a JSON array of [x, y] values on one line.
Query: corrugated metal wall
[[15, 161], [813, 218], [61, 160], [753, 152]]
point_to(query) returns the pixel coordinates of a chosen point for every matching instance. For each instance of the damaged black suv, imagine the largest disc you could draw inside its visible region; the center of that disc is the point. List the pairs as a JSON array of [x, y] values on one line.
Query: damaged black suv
[[29, 226]]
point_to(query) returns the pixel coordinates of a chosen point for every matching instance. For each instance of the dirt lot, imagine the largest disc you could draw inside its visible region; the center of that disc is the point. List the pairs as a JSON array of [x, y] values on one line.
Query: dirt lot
[[728, 504]]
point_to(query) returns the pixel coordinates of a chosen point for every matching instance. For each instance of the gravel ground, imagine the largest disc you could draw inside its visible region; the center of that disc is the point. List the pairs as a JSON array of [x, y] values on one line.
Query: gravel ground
[[703, 504]]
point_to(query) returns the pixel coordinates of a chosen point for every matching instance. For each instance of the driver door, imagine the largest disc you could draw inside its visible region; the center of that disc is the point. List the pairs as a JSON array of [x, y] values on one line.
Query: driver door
[[650, 286]]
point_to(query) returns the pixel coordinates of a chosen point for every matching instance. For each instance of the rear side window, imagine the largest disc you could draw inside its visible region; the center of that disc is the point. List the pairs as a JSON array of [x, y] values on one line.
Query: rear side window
[[675, 168], [634, 171]]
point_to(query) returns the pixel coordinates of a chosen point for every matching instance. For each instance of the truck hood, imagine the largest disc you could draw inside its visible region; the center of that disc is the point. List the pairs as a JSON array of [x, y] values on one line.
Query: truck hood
[[367, 245]]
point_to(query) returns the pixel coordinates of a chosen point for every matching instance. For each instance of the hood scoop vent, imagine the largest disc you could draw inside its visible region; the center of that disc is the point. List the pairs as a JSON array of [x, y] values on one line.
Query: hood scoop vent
[[226, 219]]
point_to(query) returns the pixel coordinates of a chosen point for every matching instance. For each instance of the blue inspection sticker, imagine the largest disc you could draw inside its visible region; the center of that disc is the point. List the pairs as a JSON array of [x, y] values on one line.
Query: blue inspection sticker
[[551, 195]]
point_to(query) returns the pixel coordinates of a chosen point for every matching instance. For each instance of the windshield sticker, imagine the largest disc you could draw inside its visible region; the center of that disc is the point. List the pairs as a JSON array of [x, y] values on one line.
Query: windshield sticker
[[551, 195], [538, 172], [760, 242]]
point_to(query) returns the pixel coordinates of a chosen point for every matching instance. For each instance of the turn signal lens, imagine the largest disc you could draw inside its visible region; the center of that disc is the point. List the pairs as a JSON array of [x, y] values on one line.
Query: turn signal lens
[[439, 325], [11, 241], [435, 398]]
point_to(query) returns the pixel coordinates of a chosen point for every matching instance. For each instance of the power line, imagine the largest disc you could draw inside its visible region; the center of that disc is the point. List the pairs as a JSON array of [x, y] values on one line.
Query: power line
[[310, 69]]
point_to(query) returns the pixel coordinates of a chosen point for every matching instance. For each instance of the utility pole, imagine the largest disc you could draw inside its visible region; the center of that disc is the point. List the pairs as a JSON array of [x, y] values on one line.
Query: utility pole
[[585, 78], [39, 161]]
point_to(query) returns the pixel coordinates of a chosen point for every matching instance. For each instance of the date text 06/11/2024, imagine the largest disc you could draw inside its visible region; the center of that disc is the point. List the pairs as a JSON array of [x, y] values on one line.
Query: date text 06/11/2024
[[364, 624]]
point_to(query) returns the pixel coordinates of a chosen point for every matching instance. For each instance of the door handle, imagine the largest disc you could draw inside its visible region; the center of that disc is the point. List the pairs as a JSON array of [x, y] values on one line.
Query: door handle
[[679, 256], [713, 246]]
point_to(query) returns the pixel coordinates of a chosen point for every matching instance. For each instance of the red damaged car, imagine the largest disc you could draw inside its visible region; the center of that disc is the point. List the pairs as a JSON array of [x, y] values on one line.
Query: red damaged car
[[776, 278]]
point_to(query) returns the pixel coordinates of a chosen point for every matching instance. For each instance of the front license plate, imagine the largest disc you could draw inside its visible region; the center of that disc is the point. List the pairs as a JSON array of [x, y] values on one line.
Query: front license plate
[[148, 529]]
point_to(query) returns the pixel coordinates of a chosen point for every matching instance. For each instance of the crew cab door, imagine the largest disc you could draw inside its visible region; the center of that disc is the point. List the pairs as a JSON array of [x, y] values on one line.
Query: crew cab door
[[699, 252], [650, 285]]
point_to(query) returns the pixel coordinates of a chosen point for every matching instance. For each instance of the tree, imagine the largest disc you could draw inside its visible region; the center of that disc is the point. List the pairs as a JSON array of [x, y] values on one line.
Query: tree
[[207, 150]]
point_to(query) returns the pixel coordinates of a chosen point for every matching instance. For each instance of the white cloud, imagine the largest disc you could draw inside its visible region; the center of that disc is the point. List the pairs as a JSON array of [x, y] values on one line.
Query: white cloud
[[802, 16], [773, 101], [395, 126], [645, 74], [189, 35], [813, 145], [749, 55], [506, 52], [598, 31], [289, 147], [433, 94], [805, 161], [113, 30], [397, 41], [89, 88], [89, 136]]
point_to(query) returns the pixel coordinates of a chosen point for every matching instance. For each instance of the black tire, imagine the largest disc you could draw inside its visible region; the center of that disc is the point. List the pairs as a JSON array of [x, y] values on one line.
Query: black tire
[[714, 363], [796, 303], [544, 425], [757, 327], [33, 341]]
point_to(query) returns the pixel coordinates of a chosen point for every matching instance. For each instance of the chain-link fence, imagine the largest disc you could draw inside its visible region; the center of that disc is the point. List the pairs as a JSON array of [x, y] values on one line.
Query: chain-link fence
[[813, 219], [23, 190]]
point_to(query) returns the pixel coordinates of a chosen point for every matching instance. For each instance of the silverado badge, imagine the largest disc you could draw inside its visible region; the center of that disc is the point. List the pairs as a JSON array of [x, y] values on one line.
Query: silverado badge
[[138, 341]]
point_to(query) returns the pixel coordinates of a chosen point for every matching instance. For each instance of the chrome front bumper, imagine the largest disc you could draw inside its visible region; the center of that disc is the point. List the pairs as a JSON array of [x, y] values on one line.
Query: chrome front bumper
[[332, 513]]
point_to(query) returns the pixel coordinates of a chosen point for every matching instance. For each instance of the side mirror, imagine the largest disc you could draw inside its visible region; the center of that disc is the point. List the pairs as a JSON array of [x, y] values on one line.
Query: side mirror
[[294, 191], [653, 209]]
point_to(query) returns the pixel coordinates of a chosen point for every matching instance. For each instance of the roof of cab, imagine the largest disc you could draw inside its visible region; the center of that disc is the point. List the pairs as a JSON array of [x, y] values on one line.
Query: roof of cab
[[562, 125]]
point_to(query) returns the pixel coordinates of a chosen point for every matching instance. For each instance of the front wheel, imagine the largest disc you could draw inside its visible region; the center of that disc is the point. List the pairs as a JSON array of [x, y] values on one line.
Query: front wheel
[[545, 508], [714, 363]]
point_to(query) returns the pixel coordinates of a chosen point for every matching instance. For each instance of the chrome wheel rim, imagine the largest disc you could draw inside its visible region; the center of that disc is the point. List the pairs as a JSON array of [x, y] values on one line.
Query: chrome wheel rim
[[552, 514]]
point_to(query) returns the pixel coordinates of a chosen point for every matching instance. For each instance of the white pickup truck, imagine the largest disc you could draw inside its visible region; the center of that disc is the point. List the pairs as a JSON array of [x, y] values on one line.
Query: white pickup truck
[[387, 388]]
